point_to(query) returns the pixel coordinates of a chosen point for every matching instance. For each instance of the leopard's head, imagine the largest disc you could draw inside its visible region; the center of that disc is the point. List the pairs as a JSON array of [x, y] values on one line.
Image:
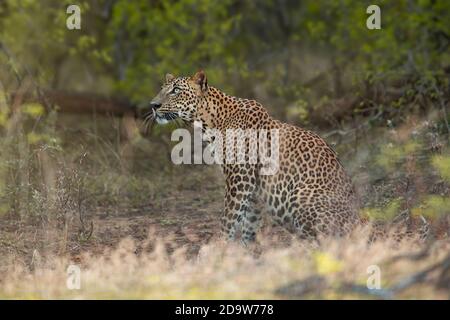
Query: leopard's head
[[179, 98]]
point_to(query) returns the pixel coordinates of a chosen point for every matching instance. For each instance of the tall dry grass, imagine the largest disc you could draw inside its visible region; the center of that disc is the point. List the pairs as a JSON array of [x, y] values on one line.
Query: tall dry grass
[[333, 269]]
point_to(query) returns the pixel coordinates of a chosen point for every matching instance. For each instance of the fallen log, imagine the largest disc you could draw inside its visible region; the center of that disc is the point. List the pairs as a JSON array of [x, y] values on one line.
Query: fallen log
[[77, 102]]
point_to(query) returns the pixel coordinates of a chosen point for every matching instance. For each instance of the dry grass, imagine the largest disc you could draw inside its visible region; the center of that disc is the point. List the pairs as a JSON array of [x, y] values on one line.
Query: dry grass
[[333, 269]]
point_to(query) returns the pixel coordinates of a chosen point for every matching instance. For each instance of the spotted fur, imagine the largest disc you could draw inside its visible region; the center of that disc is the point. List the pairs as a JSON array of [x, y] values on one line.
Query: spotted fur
[[310, 194]]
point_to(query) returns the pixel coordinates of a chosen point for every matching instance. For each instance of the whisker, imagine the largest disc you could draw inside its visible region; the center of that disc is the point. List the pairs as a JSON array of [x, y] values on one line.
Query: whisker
[[148, 120], [179, 122], [145, 115]]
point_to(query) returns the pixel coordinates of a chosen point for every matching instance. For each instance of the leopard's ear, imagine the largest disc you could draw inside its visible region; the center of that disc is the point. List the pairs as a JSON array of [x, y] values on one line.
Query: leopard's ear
[[169, 77], [200, 79]]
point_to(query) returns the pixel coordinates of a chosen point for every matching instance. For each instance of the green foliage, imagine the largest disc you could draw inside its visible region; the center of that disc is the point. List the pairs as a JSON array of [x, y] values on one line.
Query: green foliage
[[436, 206], [386, 213], [149, 39], [442, 164], [433, 207], [391, 155], [130, 45]]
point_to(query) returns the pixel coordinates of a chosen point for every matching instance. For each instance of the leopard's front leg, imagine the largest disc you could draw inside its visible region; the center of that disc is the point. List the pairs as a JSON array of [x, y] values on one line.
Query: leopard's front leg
[[240, 204]]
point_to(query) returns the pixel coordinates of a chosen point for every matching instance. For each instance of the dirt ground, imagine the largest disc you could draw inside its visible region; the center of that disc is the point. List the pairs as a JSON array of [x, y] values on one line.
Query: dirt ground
[[185, 218], [177, 216]]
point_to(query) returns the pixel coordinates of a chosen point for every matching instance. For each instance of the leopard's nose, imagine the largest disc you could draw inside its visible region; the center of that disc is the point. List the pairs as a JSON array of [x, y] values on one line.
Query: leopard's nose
[[155, 105]]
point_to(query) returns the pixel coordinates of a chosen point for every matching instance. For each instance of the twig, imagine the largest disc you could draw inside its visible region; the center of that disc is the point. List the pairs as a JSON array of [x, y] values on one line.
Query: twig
[[420, 276], [444, 110]]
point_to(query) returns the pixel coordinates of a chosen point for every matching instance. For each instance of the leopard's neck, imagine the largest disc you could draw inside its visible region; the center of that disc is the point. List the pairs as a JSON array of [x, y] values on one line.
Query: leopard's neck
[[217, 108]]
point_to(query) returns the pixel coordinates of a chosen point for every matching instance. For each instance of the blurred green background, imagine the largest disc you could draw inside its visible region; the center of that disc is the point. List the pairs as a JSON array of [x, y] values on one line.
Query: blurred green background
[[293, 55]]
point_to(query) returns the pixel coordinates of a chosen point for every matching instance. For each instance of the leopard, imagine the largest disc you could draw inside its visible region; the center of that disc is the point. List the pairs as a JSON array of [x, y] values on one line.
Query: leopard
[[310, 194]]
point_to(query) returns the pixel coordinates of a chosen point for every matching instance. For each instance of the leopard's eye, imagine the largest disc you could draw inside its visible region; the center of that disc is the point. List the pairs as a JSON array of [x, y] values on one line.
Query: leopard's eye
[[175, 90]]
